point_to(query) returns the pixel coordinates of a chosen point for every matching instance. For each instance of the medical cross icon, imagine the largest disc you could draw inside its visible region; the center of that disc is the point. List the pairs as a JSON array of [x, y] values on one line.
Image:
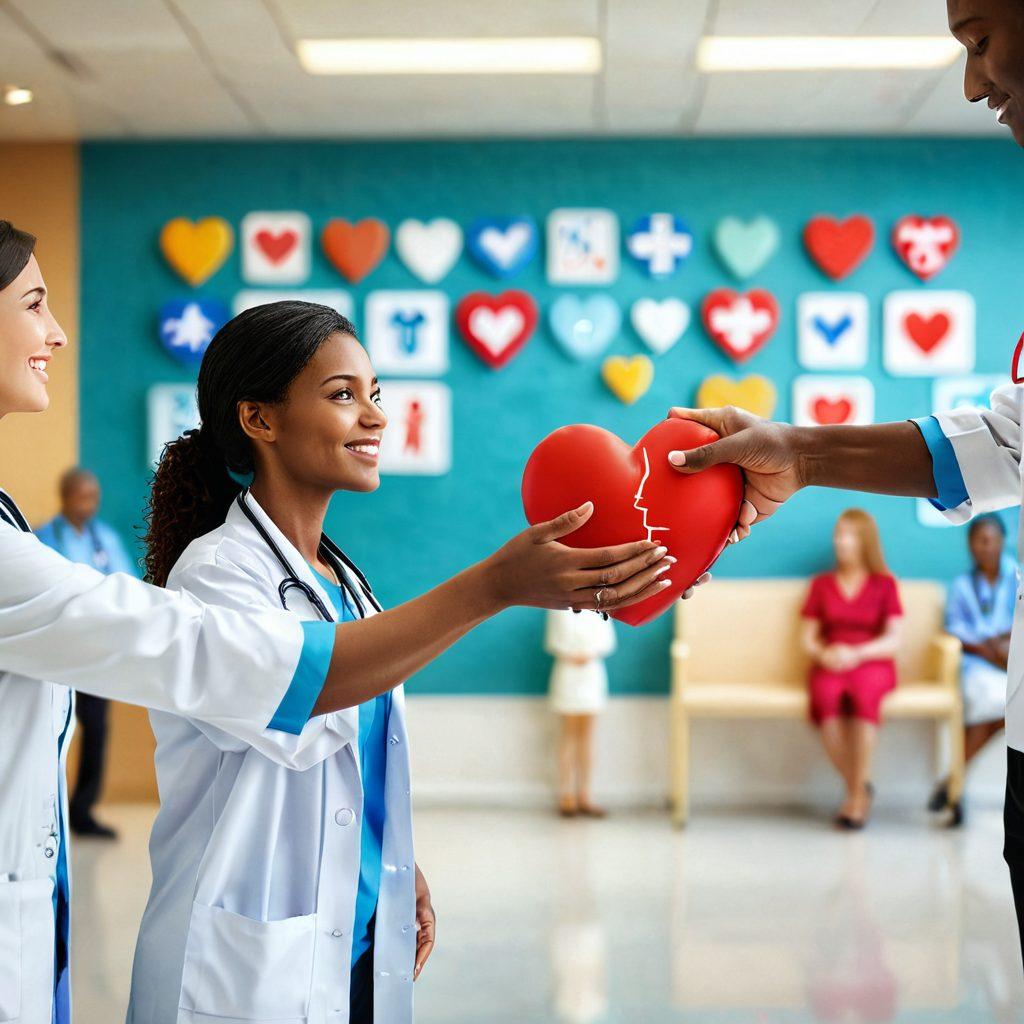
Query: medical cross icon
[[741, 323], [661, 242]]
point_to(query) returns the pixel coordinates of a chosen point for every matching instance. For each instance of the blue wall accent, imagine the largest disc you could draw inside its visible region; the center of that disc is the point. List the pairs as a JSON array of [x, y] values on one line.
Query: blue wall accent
[[414, 533]]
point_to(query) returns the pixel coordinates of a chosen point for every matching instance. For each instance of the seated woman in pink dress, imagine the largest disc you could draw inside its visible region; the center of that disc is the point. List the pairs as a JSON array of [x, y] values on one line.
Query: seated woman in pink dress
[[852, 633]]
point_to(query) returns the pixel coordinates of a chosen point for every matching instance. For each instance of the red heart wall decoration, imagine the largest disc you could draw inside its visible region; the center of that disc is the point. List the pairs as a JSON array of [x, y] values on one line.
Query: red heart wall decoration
[[276, 245], [355, 249], [637, 495], [925, 244], [830, 411], [740, 324], [839, 247], [496, 327], [926, 331]]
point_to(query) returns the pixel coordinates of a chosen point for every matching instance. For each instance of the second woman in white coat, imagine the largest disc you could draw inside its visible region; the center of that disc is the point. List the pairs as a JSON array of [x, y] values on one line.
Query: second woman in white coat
[[284, 882]]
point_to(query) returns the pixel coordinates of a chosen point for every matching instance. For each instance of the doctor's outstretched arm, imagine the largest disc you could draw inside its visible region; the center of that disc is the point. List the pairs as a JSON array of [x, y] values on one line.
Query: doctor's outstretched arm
[[120, 638], [374, 655], [966, 461]]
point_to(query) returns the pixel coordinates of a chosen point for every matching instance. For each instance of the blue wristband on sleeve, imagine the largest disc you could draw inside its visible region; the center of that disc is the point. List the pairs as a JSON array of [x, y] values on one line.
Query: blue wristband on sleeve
[[310, 675], [949, 481]]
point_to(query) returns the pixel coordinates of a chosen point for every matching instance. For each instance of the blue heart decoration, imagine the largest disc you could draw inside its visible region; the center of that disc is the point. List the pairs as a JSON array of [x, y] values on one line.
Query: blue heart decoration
[[187, 327], [503, 245], [832, 332], [584, 327], [661, 243]]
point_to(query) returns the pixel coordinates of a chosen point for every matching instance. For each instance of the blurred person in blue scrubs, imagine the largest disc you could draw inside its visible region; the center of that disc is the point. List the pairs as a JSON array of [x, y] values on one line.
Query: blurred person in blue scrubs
[[80, 536], [979, 613]]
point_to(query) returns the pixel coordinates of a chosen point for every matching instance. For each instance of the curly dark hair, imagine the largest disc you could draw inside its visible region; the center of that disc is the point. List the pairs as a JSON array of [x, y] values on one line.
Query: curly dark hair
[[16, 248], [252, 358]]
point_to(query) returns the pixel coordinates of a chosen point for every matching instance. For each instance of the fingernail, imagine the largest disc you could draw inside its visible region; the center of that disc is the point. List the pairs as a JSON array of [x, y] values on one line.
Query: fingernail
[[661, 551], [677, 458], [661, 569], [585, 507], [734, 536], [669, 558], [664, 583]]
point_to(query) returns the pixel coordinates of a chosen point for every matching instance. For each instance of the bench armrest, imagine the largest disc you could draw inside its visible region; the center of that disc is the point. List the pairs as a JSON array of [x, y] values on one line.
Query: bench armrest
[[680, 666], [945, 652]]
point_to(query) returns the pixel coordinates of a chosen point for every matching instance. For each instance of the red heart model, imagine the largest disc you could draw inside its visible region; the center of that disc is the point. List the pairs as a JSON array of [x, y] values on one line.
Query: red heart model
[[839, 247], [826, 411], [925, 244], [637, 495], [740, 324], [926, 332], [276, 245], [355, 249], [496, 327]]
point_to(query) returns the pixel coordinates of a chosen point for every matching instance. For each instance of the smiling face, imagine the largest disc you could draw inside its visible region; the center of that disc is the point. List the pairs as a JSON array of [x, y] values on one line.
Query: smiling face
[[29, 335], [992, 31], [326, 433]]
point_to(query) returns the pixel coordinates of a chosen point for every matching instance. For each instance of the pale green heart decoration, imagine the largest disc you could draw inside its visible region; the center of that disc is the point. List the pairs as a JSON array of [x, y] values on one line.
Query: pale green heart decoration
[[746, 247]]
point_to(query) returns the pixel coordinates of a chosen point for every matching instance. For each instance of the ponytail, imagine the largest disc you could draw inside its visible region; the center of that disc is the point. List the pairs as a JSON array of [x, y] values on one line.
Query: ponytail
[[252, 358], [190, 495]]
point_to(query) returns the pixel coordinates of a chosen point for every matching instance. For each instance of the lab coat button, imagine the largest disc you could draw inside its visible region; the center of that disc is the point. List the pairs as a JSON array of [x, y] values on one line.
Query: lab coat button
[[345, 816], [394, 740], [337, 933]]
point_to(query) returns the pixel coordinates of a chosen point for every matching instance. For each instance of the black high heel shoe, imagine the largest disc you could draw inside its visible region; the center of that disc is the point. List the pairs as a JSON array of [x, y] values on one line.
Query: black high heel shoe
[[848, 824]]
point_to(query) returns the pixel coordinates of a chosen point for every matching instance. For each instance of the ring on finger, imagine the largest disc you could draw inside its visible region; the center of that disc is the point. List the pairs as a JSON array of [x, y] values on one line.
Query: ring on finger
[[598, 598]]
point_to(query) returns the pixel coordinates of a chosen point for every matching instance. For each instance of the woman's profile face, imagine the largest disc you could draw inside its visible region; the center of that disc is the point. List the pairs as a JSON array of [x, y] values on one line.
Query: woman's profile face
[[992, 32], [29, 335], [327, 432], [848, 547]]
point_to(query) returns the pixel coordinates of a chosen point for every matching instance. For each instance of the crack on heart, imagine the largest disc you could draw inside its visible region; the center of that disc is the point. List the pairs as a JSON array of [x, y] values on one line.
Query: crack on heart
[[640, 493]]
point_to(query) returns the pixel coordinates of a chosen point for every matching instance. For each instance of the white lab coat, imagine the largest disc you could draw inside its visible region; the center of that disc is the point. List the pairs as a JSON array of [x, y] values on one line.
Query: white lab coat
[[987, 444], [256, 849], [118, 638]]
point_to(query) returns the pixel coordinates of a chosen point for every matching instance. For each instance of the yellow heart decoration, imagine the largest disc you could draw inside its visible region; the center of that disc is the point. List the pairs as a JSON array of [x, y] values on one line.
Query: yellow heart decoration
[[755, 393], [628, 379], [196, 251]]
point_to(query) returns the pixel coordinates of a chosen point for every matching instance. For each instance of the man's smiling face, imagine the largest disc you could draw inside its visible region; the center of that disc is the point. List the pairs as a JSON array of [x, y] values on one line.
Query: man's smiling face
[[992, 32]]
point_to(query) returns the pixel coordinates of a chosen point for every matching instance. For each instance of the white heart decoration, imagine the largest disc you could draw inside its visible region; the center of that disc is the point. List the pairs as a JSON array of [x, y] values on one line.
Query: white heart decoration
[[496, 330], [504, 246], [429, 249], [660, 324]]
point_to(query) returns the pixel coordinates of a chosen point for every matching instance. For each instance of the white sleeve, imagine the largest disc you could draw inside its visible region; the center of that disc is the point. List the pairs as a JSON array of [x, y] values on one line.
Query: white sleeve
[[234, 586], [117, 637], [987, 446]]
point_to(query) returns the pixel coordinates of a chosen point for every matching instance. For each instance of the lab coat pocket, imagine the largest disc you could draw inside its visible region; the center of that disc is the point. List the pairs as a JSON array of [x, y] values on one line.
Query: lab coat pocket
[[247, 970], [26, 947]]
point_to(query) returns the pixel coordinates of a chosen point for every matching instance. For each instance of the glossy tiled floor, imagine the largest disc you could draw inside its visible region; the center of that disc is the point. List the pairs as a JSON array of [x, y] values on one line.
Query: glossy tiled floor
[[751, 918]]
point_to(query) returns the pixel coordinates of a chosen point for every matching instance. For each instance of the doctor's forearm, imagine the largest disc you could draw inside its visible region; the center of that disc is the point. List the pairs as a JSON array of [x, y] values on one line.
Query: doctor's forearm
[[374, 655], [883, 458]]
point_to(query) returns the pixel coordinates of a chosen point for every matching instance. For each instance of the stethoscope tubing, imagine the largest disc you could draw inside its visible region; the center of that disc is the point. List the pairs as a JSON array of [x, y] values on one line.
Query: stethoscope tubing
[[291, 581]]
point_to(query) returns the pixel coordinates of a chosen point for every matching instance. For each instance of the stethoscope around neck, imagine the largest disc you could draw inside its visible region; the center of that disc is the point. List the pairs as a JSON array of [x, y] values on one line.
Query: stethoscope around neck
[[332, 554]]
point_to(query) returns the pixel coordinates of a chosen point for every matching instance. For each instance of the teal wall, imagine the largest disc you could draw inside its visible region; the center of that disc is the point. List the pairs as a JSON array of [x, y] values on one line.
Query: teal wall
[[414, 533]]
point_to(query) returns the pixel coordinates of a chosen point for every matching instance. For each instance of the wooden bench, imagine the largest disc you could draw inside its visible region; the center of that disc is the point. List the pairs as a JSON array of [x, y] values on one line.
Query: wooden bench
[[737, 654]]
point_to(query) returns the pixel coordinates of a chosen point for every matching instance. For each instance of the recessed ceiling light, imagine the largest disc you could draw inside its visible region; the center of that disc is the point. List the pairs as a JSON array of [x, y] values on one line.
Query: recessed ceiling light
[[566, 55], [819, 53], [16, 96]]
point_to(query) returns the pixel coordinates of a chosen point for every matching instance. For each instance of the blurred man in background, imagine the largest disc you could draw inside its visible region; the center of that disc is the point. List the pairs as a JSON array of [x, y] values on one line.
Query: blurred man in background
[[80, 536]]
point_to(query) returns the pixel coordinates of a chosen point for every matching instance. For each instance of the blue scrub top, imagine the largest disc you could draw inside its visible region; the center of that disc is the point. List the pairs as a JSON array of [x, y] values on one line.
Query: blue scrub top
[[977, 610], [97, 545], [373, 754]]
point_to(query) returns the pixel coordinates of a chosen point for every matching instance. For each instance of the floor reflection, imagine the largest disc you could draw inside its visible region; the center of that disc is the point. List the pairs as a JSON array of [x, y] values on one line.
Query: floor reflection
[[752, 919]]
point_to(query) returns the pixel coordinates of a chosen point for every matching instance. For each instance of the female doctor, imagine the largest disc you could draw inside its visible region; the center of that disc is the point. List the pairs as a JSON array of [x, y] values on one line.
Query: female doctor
[[282, 864], [968, 461], [263, 672]]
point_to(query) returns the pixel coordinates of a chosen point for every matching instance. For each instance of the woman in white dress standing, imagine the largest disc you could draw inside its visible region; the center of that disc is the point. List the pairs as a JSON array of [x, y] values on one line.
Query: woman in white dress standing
[[579, 692]]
